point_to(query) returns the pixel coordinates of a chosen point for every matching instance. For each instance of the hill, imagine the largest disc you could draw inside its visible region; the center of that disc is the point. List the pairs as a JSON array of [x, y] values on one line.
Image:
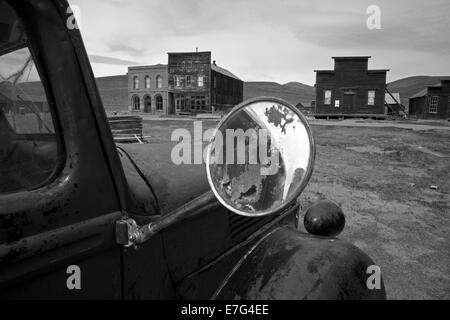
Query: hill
[[114, 91], [411, 85], [293, 92]]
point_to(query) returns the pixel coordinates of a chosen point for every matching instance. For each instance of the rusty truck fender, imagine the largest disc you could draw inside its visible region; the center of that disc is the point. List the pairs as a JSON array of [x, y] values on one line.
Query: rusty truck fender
[[287, 264]]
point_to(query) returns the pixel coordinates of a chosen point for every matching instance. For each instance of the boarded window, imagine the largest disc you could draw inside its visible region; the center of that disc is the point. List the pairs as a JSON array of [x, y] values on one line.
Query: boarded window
[[327, 97], [371, 97], [336, 103], [200, 81], [433, 105]]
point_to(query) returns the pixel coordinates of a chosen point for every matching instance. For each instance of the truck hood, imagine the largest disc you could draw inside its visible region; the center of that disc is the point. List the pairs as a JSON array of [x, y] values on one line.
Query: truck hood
[[174, 185]]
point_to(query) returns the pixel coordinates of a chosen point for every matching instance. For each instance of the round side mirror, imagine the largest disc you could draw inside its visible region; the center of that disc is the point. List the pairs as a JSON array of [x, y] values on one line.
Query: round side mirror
[[260, 157]]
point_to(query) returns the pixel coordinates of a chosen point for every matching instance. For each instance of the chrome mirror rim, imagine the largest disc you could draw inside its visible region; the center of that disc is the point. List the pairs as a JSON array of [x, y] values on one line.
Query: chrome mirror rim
[[308, 172]]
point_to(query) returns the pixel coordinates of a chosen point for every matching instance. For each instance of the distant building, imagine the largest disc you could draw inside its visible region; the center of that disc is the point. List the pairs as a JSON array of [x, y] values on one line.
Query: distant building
[[433, 102], [305, 109], [351, 89], [197, 86], [23, 103], [147, 89]]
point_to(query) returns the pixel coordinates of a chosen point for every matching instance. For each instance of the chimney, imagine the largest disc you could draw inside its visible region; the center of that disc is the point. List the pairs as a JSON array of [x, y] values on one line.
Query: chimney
[[214, 62], [196, 50]]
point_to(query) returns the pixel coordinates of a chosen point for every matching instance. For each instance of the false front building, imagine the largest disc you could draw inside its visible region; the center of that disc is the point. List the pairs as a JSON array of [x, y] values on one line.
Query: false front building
[[195, 85], [350, 89]]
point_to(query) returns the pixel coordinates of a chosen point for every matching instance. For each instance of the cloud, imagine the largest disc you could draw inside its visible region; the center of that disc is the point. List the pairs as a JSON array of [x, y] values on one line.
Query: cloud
[[281, 40], [110, 60], [120, 47]]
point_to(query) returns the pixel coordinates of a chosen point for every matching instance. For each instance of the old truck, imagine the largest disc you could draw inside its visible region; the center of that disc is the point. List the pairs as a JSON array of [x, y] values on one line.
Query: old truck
[[84, 218]]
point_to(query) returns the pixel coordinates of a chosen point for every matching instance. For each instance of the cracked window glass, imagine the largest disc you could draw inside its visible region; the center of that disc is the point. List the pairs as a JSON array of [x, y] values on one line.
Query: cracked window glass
[[28, 145]]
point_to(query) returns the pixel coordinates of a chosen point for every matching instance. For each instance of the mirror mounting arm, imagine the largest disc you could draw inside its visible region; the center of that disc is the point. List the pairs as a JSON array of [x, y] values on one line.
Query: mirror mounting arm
[[128, 233]]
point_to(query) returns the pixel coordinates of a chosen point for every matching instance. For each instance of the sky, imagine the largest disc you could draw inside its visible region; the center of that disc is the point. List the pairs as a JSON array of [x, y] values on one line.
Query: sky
[[268, 40]]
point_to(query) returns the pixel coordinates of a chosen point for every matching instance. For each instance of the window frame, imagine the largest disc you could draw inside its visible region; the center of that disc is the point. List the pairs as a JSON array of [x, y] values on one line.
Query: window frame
[[370, 102], [201, 81], [147, 82], [58, 133], [433, 105], [135, 82], [325, 98], [159, 81], [138, 102], [177, 81], [157, 102]]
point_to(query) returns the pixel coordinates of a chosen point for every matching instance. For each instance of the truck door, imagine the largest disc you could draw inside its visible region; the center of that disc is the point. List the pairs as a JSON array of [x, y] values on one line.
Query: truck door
[[59, 198]]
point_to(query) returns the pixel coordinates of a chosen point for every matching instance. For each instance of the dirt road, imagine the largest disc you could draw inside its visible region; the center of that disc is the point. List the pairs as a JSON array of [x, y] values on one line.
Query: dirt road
[[381, 177]]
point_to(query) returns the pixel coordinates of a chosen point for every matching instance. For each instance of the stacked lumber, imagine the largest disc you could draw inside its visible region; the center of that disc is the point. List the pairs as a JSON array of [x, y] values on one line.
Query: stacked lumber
[[126, 128]]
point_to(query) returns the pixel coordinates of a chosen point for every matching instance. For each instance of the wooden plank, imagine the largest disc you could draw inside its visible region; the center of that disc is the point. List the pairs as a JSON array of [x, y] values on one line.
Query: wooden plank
[[127, 128]]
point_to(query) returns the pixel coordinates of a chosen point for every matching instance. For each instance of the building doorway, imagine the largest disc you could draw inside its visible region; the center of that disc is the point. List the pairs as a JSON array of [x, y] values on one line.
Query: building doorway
[[147, 103], [348, 102], [159, 103], [136, 103]]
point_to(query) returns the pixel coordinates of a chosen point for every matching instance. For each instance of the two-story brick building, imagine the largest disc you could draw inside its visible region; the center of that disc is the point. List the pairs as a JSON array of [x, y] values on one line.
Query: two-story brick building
[[351, 89], [196, 85], [433, 102], [147, 89]]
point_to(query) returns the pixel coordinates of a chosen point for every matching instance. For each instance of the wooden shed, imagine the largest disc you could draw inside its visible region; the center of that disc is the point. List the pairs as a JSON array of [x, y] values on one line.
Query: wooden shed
[[433, 102]]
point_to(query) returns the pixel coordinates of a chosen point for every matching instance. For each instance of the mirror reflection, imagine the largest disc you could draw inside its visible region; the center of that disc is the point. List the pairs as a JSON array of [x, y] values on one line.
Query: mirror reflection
[[260, 157]]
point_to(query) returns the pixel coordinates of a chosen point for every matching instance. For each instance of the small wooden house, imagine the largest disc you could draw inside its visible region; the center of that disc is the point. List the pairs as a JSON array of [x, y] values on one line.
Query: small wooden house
[[350, 89], [433, 102]]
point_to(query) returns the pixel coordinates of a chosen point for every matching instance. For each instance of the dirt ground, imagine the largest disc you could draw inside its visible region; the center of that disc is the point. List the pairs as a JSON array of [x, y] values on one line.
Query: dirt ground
[[381, 177]]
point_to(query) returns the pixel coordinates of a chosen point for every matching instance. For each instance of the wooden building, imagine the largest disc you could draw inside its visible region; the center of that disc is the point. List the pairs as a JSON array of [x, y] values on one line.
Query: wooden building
[[433, 102], [351, 89], [197, 86]]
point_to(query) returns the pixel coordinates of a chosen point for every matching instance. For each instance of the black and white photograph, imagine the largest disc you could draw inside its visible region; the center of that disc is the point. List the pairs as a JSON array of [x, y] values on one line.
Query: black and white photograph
[[228, 155]]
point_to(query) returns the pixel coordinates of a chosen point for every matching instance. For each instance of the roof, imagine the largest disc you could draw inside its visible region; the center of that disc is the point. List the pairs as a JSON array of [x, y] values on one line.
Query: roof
[[223, 71], [388, 99], [154, 66], [189, 52], [352, 58], [424, 92], [421, 93]]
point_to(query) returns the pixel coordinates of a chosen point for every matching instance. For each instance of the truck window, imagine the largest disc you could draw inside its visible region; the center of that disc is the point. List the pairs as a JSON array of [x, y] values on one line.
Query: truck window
[[28, 144]]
